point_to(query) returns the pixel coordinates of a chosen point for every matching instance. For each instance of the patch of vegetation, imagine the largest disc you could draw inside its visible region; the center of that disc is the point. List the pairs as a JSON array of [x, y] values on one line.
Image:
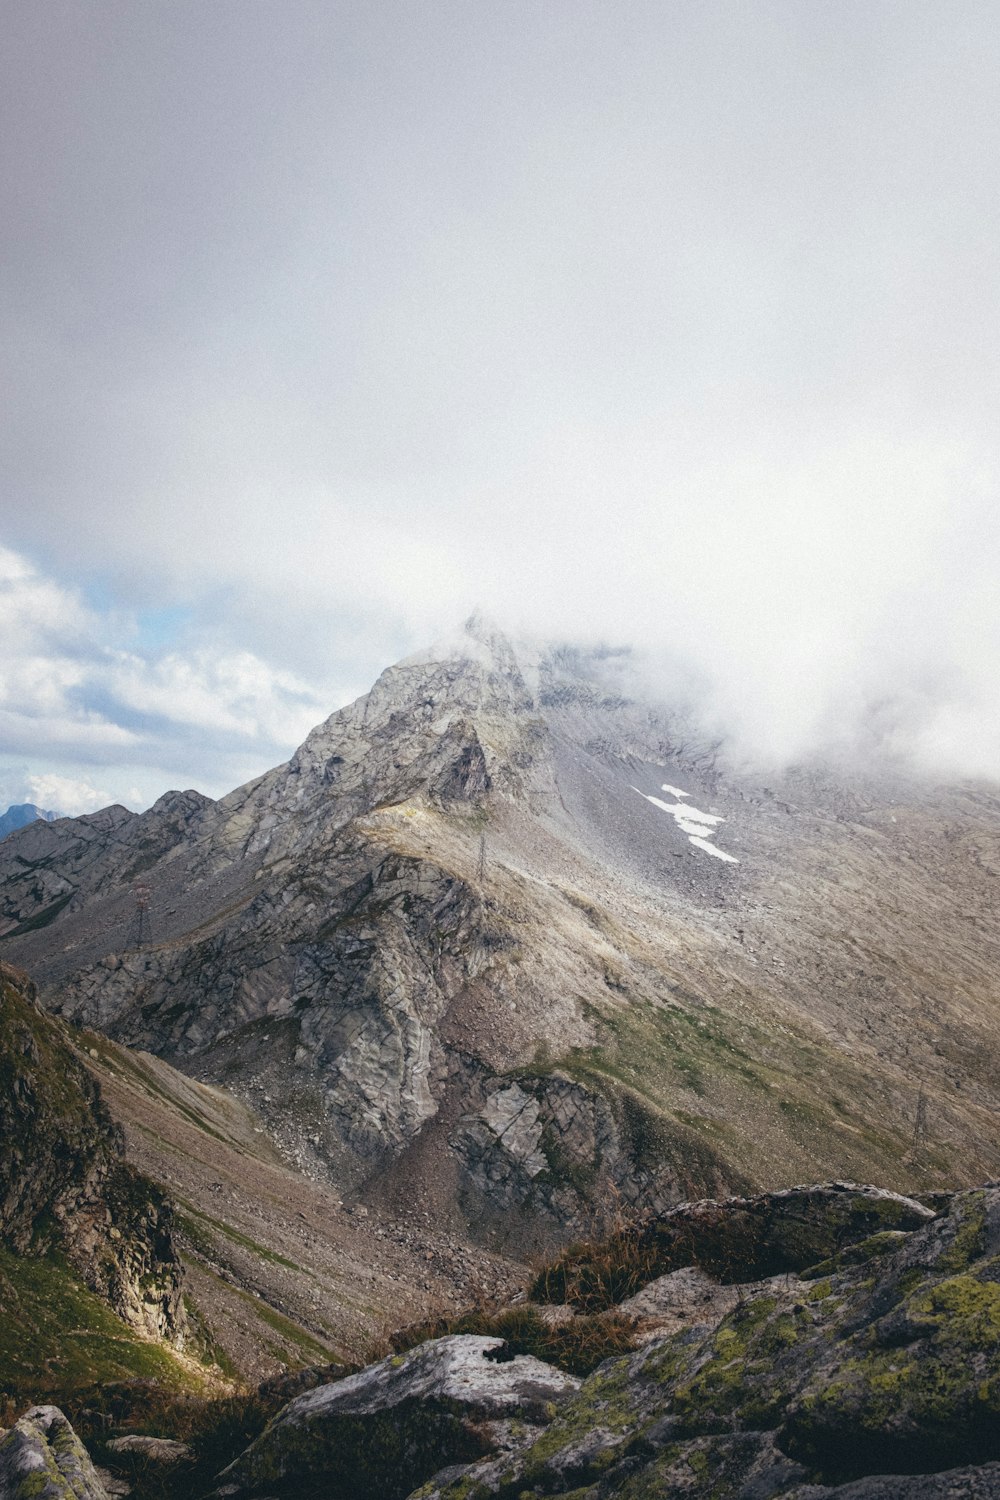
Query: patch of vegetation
[[202, 1242], [58, 1338], [606, 1400], [307, 1348], [885, 1242], [741, 1240], [216, 1430], [202, 1342], [578, 1345], [920, 1390], [291, 1332], [598, 1274], [970, 1237]]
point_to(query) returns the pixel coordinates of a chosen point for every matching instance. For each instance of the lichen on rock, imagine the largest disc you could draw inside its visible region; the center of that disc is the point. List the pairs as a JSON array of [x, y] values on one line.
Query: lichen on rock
[[380, 1433], [41, 1458]]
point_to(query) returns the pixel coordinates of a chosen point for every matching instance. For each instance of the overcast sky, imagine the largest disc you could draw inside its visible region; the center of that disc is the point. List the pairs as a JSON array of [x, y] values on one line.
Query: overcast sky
[[671, 323]]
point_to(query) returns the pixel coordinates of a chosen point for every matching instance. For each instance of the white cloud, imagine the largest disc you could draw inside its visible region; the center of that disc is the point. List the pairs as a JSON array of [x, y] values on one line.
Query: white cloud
[[65, 794], [233, 694], [70, 696], [679, 330]]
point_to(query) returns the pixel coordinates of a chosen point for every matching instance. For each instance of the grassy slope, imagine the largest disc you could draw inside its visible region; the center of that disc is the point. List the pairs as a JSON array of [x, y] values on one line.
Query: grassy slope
[[57, 1338]]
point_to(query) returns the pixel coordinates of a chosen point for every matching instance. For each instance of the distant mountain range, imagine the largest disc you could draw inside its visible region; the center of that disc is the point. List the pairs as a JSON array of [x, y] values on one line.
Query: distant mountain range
[[22, 813]]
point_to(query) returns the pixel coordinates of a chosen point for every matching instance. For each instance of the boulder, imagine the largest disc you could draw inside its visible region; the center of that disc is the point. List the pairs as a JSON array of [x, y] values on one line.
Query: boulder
[[385, 1430], [155, 1450], [41, 1458]]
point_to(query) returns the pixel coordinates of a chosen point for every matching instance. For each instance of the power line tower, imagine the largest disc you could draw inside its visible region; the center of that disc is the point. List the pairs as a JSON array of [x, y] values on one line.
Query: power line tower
[[920, 1124], [141, 895], [481, 866]]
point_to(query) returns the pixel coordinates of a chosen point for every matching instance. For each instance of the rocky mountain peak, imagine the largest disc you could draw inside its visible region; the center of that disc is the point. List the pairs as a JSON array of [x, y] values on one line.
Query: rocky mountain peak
[[452, 723], [507, 935]]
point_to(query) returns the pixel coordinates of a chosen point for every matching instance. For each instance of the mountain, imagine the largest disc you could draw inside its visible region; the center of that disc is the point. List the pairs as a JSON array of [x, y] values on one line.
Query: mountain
[[20, 815], [507, 945]]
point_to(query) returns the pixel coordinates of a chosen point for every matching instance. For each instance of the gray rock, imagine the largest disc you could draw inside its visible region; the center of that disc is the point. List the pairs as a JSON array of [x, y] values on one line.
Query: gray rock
[[685, 1296], [390, 1427], [952, 1484], [156, 1450], [41, 1458]]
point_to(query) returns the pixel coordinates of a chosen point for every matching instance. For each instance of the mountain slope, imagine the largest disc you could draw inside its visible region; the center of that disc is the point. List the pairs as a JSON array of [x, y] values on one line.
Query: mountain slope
[[505, 944], [90, 1284], [278, 1272]]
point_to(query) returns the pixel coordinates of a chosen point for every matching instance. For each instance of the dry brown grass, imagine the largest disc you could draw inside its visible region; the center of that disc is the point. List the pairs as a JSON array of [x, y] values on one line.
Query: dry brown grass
[[578, 1345]]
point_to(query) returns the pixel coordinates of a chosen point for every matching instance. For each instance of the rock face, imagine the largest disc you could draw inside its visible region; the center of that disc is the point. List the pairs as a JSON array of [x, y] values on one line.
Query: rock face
[[383, 1431], [504, 942], [20, 815], [41, 1458], [875, 1373], [63, 1182]]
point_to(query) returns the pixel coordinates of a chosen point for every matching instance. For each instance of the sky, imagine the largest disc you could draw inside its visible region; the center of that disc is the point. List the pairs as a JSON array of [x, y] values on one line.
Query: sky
[[672, 324]]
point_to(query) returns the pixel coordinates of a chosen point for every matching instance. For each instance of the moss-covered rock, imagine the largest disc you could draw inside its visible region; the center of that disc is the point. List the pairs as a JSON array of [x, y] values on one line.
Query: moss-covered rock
[[376, 1435], [870, 1381], [41, 1458], [733, 1239]]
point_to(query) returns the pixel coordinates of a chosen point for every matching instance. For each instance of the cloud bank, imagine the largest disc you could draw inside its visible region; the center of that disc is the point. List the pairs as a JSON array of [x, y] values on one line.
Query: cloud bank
[[659, 323]]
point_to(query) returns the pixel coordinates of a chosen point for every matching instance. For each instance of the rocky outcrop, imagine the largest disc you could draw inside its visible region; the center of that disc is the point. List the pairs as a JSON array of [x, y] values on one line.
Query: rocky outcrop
[[547, 1149], [875, 1373], [41, 1458], [64, 1184], [733, 1240], [376, 1435]]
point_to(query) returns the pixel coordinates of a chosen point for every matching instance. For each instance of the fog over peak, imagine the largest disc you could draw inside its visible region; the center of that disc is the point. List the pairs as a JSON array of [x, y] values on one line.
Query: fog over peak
[[660, 324]]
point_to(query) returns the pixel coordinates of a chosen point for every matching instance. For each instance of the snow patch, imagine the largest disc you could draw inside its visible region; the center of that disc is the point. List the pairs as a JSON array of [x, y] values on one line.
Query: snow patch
[[711, 849], [691, 820]]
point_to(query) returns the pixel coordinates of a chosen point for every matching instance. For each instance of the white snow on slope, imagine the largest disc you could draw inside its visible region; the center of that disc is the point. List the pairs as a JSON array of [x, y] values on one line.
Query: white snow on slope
[[691, 820], [711, 849]]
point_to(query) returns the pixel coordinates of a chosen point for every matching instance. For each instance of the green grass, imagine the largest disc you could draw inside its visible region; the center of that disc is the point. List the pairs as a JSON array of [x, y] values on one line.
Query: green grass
[[202, 1242], [57, 1337]]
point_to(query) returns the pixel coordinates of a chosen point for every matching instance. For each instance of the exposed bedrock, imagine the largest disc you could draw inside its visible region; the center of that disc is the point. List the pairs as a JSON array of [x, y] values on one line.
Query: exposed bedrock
[[64, 1183]]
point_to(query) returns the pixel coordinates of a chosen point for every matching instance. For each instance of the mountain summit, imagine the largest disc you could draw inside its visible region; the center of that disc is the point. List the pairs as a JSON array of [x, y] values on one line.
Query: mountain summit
[[507, 941]]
